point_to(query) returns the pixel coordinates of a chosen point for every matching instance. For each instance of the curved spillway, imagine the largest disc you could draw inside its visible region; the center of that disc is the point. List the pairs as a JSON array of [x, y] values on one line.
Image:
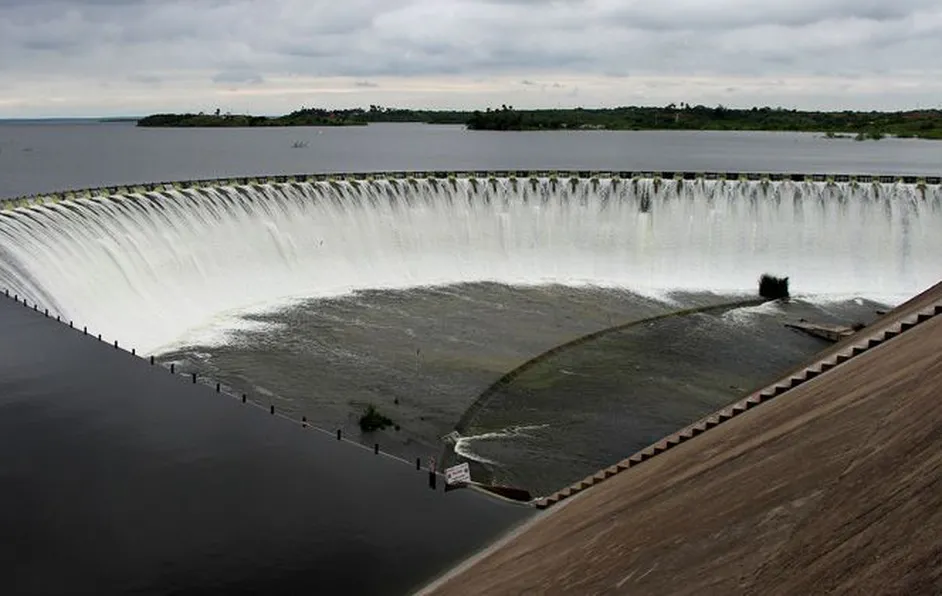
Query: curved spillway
[[149, 266]]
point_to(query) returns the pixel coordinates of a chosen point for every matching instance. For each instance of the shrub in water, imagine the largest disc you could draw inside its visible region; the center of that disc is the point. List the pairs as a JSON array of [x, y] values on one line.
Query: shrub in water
[[372, 420], [773, 288]]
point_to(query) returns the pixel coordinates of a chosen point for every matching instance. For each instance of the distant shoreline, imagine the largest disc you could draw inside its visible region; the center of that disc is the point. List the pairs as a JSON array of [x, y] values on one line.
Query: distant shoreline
[[923, 124]]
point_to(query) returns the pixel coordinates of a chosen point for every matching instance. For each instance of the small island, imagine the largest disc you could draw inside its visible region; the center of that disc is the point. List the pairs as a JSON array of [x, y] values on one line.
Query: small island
[[304, 117], [925, 124]]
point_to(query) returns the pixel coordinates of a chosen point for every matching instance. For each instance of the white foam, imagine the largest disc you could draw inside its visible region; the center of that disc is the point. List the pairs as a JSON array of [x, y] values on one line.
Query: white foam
[[222, 330], [156, 270], [463, 444], [889, 299]]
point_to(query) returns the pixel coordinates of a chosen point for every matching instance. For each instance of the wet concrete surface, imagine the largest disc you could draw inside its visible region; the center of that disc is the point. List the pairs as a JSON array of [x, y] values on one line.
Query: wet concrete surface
[[420, 356], [587, 407]]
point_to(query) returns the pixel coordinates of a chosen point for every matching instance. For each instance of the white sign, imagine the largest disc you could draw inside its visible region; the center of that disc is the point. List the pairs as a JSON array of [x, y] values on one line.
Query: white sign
[[457, 474]]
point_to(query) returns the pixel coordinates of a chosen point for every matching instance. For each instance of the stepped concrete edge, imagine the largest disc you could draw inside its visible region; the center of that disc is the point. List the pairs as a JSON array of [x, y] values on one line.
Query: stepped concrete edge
[[867, 339]]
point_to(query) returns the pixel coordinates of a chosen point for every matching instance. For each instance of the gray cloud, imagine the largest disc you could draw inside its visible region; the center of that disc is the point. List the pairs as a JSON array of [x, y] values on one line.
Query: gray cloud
[[270, 53], [732, 14], [238, 76], [145, 79]]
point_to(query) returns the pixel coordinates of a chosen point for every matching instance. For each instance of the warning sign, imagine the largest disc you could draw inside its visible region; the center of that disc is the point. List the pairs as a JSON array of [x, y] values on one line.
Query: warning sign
[[458, 474]]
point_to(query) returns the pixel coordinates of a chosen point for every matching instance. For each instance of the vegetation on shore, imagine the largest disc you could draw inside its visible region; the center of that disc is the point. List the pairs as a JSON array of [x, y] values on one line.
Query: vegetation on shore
[[860, 125], [305, 117], [925, 124]]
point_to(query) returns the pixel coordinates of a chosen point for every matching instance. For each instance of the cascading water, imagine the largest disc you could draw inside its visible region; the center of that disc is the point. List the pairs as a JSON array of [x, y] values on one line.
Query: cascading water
[[147, 268]]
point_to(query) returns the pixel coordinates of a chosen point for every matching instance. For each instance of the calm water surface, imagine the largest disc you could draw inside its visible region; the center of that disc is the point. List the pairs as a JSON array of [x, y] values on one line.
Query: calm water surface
[[45, 157]]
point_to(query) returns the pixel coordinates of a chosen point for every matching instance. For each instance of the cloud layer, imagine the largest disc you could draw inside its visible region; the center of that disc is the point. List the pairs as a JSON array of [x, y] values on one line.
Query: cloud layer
[[97, 57]]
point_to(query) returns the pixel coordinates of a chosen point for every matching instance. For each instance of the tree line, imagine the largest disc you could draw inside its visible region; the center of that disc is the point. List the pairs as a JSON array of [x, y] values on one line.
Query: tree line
[[683, 116]]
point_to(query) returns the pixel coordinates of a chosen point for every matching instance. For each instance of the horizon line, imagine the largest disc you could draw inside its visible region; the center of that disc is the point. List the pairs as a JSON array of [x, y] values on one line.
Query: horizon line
[[129, 117]]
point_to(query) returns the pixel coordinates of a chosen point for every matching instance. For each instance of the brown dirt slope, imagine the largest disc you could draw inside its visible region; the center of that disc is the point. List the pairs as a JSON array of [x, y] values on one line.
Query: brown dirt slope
[[835, 487]]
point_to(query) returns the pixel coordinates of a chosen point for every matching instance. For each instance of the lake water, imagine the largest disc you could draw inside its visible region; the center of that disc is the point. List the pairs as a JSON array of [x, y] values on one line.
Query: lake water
[[46, 157]]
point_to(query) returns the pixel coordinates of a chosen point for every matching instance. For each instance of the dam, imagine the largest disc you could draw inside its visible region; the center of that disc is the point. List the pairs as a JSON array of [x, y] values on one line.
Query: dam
[[147, 266], [320, 295]]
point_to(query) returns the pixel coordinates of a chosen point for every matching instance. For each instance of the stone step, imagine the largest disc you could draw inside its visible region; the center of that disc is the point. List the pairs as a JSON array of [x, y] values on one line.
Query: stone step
[[798, 378]]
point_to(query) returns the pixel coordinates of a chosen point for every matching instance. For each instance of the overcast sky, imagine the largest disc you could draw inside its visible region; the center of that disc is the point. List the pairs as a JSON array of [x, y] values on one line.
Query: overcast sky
[[131, 57]]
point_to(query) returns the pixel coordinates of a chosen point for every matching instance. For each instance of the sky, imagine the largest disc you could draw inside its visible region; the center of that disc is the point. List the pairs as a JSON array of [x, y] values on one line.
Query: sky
[[61, 58]]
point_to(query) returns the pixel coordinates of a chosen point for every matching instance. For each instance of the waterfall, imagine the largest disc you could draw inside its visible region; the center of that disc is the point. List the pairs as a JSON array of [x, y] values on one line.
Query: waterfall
[[148, 267]]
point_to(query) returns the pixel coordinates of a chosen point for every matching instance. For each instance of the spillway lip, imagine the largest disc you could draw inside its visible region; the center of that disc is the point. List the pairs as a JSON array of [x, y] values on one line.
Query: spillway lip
[[235, 246], [481, 175]]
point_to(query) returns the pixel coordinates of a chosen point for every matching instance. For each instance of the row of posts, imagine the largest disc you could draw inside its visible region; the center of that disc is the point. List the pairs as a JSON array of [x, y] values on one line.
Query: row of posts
[[432, 477]]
